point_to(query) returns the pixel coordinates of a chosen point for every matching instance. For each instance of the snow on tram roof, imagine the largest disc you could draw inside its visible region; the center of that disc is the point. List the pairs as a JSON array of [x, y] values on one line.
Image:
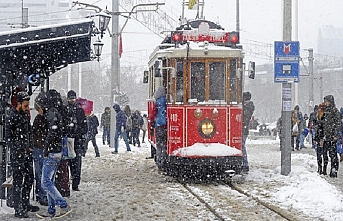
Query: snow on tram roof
[[197, 49]]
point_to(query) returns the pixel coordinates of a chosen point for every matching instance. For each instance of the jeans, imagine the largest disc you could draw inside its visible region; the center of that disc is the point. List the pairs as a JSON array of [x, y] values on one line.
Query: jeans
[[116, 140], [92, 137], [244, 150], [106, 135], [48, 181], [301, 140], [38, 160], [161, 146]]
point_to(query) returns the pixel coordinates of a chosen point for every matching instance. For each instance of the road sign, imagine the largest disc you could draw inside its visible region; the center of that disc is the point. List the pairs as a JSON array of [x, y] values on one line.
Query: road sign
[[286, 62]]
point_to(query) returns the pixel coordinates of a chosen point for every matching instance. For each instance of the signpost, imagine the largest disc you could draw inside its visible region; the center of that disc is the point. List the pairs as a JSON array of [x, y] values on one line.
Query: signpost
[[286, 62]]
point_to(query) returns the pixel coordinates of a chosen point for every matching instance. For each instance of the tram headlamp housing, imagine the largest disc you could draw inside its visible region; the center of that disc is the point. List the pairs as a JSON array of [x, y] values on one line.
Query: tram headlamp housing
[[206, 128]]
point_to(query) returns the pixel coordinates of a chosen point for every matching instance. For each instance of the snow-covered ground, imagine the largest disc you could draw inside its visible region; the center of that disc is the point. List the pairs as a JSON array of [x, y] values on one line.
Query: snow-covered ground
[[126, 186]]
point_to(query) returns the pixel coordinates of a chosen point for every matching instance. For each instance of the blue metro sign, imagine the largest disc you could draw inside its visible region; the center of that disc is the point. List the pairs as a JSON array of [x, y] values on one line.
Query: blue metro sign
[[286, 61]]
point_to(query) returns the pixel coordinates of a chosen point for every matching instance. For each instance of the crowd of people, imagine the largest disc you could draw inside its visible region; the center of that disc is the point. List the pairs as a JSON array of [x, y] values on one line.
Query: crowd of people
[[324, 128], [54, 145]]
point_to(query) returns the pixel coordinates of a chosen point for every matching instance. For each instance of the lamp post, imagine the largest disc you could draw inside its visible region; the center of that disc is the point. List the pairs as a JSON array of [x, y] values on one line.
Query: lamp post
[[104, 20], [98, 48]]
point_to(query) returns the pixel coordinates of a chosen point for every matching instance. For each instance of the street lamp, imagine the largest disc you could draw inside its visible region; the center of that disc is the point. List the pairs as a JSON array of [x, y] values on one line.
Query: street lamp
[[98, 48], [104, 19]]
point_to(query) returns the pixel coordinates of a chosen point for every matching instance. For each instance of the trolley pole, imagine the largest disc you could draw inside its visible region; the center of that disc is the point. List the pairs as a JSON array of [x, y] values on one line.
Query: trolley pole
[[286, 149], [310, 61]]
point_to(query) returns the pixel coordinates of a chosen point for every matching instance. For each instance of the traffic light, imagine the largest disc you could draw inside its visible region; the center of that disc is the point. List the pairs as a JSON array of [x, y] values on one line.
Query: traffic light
[[234, 37], [176, 37]]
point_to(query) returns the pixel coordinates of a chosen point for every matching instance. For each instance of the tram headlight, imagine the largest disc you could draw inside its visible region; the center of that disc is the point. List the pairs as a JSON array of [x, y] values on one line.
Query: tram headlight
[[206, 128]]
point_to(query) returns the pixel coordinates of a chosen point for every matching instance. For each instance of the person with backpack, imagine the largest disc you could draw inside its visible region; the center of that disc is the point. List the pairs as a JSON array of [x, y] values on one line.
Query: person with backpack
[[106, 125], [137, 122], [93, 124], [127, 111]]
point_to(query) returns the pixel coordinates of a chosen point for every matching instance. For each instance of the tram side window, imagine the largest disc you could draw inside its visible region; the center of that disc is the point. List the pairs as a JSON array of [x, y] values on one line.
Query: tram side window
[[198, 81], [233, 80], [179, 81], [217, 81]]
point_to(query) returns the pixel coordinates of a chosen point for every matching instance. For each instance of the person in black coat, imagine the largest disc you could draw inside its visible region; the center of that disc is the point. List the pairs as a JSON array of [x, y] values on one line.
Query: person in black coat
[[318, 140], [248, 110], [53, 153], [93, 124], [332, 126], [76, 127], [18, 137]]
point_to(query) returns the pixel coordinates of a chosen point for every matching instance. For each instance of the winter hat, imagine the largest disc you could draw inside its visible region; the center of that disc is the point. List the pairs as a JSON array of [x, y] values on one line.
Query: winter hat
[[330, 99], [23, 96], [71, 94], [296, 107], [116, 107], [41, 101], [54, 98], [160, 92], [246, 96]]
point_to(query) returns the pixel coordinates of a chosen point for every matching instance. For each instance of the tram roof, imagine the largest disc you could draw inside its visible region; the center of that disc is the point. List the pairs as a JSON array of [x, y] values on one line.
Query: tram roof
[[197, 50]]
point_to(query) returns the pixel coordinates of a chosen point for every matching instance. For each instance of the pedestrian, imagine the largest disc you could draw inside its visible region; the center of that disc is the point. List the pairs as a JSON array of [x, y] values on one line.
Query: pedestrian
[[279, 130], [304, 132], [248, 110], [18, 137], [311, 124], [144, 126], [161, 128], [332, 126], [120, 129], [77, 130], [52, 156], [106, 125], [39, 136], [137, 122], [295, 129], [298, 115], [322, 156], [93, 124], [128, 114]]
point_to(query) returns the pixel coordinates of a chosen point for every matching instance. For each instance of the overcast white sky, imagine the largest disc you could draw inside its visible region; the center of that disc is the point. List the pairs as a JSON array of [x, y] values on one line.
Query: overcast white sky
[[260, 21]]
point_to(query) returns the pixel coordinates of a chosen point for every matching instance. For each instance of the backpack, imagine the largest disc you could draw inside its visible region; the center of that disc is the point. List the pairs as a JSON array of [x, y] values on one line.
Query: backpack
[[129, 123]]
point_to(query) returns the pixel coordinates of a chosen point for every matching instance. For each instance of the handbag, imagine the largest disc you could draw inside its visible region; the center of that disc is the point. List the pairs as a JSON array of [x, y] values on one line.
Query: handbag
[[68, 151], [295, 128]]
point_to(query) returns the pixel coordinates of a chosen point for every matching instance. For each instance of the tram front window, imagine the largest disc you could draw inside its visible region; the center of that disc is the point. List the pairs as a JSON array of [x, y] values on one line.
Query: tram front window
[[198, 81], [217, 81]]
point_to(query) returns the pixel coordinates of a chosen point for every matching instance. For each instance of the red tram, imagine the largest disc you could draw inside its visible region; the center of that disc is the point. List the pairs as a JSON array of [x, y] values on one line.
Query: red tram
[[201, 67]]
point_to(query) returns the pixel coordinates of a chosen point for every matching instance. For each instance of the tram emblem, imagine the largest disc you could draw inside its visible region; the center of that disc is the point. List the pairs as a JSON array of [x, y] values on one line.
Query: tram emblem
[[287, 48]]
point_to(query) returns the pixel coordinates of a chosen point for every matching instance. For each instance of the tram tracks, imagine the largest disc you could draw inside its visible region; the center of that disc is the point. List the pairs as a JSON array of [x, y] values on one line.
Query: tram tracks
[[231, 202]]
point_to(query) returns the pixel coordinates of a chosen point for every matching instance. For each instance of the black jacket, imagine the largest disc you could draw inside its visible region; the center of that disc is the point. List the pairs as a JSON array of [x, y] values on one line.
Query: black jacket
[[76, 122], [248, 110], [39, 131], [54, 122], [332, 122], [18, 134]]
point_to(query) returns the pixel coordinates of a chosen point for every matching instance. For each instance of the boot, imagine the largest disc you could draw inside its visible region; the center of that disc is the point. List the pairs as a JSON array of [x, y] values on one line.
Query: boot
[[320, 171], [333, 172], [324, 170]]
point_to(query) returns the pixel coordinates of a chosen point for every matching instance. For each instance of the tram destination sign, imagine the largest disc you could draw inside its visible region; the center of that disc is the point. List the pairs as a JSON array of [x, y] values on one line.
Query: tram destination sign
[[286, 61]]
